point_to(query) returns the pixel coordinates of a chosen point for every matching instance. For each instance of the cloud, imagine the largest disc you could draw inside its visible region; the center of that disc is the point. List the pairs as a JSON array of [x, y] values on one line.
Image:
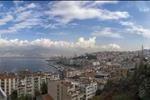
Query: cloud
[[103, 2], [111, 46], [27, 24], [145, 9], [107, 32], [47, 43], [29, 15], [136, 29], [5, 31], [17, 2], [142, 6], [6, 19], [91, 43], [1, 5], [67, 11], [47, 47], [25, 17], [26, 7]]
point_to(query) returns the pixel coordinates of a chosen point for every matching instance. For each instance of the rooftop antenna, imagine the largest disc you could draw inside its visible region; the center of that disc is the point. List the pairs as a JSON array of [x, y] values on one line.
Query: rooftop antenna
[[142, 52], [142, 55], [75, 55]]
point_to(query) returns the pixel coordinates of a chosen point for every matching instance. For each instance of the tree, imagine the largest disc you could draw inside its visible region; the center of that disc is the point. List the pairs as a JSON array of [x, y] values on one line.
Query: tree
[[144, 86], [14, 95], [25, 97], [44, 88], [135, 87], [122, 97], [98, 92], [97, 98], [37, 92]]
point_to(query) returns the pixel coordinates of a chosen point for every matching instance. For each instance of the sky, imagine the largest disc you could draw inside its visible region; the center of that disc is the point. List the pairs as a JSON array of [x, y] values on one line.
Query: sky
[[51, 28]]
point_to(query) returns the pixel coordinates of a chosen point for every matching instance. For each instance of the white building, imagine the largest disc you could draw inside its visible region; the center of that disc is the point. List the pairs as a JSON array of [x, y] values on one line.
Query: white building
[[89, 89], [8, 83], [72, 73], [28, 83], [82, 89], [87, 86], [24, 82], [96, 63], [3, 95]]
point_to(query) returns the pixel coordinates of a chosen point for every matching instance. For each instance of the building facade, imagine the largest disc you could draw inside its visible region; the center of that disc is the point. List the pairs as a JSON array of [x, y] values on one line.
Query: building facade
[[23, 82], [3, 95], [89, 89], [28, 83], [8, 83], [64, 90]]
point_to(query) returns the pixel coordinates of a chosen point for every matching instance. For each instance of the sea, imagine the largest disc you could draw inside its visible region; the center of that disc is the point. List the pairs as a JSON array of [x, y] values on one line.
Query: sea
[[14, 64]]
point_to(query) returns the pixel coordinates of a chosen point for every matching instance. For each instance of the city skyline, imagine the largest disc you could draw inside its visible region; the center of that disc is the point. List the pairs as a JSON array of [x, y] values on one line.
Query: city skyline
[[48, 28]]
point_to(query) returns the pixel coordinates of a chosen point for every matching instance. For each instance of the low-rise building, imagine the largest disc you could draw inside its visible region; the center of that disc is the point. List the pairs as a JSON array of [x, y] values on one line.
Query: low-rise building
[[72, 73]]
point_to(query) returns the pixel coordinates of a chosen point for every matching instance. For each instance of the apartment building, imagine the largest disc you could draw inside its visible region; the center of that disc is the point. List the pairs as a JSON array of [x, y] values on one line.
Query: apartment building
[[24, 82], [3, 95], [89, 88], [72, 72], [28, 83], [8, 82], [64, 90]]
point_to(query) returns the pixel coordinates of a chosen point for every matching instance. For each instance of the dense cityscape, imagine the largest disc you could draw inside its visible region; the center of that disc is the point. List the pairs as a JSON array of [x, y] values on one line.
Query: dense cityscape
[[77, 78]]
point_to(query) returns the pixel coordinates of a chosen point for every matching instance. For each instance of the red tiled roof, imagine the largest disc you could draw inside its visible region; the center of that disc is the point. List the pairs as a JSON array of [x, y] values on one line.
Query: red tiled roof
[[46, 97]]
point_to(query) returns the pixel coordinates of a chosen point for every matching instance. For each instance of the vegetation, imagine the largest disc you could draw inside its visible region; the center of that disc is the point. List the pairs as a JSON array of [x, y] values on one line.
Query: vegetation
[[98, 98], [25, 97], [14, 95], [122, 97], [37, 92], [44, 88], [135, 87]]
